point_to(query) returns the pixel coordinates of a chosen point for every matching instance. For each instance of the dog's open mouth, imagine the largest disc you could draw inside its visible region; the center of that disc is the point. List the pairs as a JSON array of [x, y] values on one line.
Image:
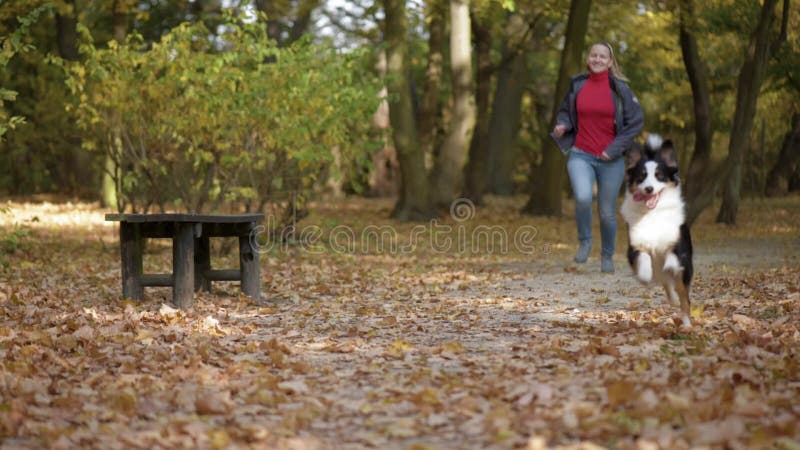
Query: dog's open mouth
[[649, 200]]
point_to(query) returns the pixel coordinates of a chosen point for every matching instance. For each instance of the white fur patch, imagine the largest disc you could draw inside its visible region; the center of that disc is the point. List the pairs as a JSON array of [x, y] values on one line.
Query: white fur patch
[[672, 264], [644, 267], [655, 230]]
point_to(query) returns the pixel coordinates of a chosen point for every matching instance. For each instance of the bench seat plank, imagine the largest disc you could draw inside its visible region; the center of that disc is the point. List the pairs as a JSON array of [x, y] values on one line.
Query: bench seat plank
[[194, 218]]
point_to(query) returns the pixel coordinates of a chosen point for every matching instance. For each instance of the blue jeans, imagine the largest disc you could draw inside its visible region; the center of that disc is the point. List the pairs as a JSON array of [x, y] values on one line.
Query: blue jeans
[[584, 169]]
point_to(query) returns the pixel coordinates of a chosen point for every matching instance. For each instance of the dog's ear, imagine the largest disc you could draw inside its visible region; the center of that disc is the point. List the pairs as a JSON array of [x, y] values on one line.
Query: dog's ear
[[667, 154], [633, 156]]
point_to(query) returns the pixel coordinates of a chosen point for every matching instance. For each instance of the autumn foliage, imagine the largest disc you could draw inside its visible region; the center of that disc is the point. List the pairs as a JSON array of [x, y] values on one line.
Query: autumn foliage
[[419, 350]]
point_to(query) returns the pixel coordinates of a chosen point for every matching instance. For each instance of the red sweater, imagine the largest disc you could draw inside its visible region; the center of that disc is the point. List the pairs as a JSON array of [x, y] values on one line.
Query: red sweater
[[595, 114]]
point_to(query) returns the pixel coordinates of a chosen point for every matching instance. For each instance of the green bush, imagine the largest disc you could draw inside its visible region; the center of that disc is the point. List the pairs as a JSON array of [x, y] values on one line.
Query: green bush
[[10, 46], [11, 240], [203, 123]]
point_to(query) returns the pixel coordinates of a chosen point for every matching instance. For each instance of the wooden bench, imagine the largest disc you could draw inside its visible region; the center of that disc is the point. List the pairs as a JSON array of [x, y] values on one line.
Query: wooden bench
[[191, 257]]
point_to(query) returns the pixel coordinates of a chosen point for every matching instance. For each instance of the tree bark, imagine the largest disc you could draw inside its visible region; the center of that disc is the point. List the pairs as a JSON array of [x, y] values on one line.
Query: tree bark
[[547, 201], [274, 28], [77, 163], [506, 110], [787, 163], [303, 19], [429, 114], [67, 31], [414, 202], [110, 195], [282, 28], [794, 180], [750, 78], [477, 170], [120, 21], [384, 178], [700, 189], [448, 171]]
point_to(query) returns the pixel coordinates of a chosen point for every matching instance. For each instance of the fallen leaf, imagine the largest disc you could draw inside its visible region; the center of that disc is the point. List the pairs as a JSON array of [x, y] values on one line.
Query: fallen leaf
[[294, 387], [211, 402], [717, 432], [167, 311], [84, 333]]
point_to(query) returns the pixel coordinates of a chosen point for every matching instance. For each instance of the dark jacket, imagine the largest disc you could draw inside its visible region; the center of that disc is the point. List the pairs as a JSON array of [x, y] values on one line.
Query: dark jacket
[[628, 116]]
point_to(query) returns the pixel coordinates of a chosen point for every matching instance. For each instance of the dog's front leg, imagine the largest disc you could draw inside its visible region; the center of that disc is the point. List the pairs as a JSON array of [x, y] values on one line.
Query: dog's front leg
[[672, 264], [644, 268], [672, 294], [683, 294]]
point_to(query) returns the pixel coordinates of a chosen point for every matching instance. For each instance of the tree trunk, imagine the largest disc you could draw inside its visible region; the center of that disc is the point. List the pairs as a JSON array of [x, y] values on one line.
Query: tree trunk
[[477, 170], [700, 189], [384, 178], [787, 163], [547, 201], [506, 109], [429, 114], [270, 8], [110, 195], [794, 180], [77, 162], [281, 27], [120, 21], [414, 201], [750, 78], [67, 31], [303, 19], [448, 171]]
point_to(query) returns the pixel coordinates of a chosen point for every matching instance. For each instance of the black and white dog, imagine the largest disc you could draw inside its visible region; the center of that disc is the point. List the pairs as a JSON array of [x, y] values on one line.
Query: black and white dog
[[659, 243]]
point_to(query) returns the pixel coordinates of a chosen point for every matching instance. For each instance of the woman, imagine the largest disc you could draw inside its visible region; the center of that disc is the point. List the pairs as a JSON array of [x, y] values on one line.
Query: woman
[[596, 124]]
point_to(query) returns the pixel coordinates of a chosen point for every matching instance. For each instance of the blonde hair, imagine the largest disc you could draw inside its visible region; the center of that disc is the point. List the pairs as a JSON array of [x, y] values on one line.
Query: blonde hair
[[614, 69]]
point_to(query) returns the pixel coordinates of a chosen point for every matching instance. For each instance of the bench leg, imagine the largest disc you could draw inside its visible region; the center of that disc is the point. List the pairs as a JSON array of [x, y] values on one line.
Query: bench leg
[[183, 265], [248, 266], [202, 262], [130, 240]]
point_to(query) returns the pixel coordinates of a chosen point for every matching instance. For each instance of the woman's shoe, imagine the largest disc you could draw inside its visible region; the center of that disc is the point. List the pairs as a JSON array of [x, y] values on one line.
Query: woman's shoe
[[607, 264], [583, 252]]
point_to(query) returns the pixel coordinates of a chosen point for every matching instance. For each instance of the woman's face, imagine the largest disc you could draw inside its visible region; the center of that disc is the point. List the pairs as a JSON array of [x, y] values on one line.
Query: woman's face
[[599, 59]]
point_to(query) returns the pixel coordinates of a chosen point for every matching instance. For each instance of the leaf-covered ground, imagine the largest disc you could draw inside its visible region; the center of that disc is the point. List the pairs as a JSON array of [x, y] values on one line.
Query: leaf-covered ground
[[420, 347]]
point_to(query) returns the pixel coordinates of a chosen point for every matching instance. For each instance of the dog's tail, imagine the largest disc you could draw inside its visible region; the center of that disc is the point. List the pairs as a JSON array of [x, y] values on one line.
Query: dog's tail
[[654, 141]]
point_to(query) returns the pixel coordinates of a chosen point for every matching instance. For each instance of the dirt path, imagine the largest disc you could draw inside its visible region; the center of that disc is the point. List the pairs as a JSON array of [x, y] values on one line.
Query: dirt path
[[420, 351], [569, 287], [533, 346]]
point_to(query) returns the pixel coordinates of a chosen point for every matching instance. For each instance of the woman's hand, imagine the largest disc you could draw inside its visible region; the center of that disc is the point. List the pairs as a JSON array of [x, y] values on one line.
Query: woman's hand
[[559, 130], [604, 156]]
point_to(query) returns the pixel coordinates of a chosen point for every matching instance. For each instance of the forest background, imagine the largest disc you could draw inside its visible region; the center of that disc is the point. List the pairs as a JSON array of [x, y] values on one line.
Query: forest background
[[238, 105], [207, 106]]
